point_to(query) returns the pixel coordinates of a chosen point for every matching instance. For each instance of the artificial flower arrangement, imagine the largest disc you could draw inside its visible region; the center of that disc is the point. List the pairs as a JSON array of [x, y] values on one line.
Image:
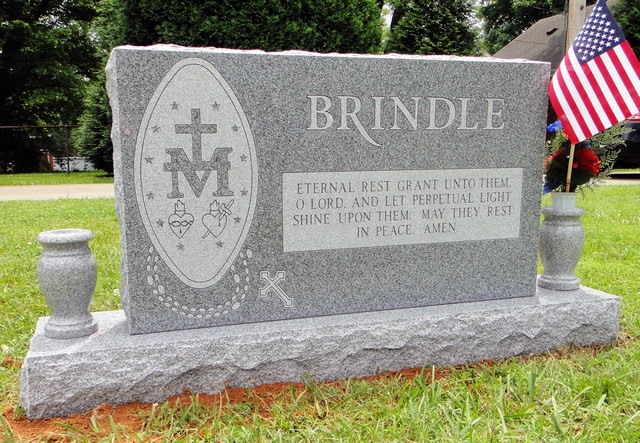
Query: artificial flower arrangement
[[593, 159]]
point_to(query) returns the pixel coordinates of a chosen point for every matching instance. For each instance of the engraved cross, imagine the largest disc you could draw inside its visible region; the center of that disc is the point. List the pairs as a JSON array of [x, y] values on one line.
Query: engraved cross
[[271, 285], [180, 162], [196, 129]]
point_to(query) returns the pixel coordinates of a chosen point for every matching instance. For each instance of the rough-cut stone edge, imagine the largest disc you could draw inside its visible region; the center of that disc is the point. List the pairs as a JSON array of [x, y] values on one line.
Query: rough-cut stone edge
[[62, 377]]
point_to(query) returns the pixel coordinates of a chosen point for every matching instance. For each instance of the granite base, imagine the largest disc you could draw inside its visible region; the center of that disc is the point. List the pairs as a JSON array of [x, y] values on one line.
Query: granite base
[[62, 377]]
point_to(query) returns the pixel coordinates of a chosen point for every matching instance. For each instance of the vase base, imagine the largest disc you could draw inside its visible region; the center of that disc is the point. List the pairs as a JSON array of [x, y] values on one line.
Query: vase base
[[68, 330], [559, 283]]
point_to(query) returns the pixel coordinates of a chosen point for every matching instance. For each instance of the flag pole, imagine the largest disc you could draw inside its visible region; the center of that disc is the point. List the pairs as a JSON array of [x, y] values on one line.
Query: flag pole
[[567, 185], [575, 20]]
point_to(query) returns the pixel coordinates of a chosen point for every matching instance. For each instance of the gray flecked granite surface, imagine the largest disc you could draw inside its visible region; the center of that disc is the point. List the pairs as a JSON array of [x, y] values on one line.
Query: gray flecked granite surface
[[256, 186], [61, 377]]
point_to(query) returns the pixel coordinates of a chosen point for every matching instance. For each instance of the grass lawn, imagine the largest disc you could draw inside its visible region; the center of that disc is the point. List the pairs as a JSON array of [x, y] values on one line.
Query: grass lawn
[[55, 178], [572, 394]]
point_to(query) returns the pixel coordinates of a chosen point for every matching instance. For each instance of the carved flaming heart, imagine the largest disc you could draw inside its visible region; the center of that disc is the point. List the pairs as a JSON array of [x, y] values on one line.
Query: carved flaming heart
[[216, 219], [180, 221]]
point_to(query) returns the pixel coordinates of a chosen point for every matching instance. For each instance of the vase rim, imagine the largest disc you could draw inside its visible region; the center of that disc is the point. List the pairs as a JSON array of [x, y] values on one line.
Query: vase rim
[[60, 236]]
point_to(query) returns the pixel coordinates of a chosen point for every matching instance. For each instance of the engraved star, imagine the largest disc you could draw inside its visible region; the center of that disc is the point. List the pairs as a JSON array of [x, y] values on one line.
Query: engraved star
[[219, 244], [160, 223], [244, 192], [174, 106], [148, 159], [150, 195], [243, 158], [235, 128], [237, 219], [215, 106], [180, 246], [155, 128]]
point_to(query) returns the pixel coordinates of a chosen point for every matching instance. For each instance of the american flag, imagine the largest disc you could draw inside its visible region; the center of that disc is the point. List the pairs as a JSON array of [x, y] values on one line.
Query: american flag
[[597, 83]]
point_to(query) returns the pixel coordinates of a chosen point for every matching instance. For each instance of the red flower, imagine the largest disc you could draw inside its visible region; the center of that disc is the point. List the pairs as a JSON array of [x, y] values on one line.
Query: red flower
[[587, 161], [586, 165]]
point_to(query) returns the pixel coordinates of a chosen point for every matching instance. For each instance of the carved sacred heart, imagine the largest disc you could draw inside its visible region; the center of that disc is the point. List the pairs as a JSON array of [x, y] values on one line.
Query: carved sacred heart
[[180, 221], [180, 224]]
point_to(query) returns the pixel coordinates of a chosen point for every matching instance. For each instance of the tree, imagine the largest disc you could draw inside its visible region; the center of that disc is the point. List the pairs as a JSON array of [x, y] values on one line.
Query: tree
[[322, 26], [627, 14], [94, 133], [46, 57], [314, 25], [432, 27]]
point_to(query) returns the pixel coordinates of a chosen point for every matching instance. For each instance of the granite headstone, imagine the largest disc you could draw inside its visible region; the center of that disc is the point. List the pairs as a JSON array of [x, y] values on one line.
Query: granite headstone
[[258, 186], [316, 216]]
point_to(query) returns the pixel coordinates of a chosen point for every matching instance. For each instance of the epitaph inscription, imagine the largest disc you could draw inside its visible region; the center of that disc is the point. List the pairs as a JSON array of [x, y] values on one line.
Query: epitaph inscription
[[196, 173], [334, 210]]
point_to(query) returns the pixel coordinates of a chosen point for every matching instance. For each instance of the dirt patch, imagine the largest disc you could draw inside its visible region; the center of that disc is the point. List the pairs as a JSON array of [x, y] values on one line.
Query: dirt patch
[[97, 423]]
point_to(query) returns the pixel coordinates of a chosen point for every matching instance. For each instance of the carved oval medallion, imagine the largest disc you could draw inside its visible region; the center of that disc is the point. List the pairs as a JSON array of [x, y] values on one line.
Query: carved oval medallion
[[196, 172]]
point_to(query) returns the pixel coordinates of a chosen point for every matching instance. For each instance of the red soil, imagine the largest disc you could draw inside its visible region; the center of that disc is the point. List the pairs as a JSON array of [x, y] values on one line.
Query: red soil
[[129, 416]]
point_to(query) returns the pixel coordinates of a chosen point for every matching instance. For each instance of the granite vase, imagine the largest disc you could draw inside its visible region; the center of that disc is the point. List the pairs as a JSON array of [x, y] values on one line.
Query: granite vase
[[561, 242], [67, 273]]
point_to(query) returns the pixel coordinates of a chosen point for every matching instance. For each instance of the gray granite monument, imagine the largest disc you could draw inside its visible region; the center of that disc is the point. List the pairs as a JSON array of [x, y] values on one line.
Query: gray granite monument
[[255, 187], [293, 214]]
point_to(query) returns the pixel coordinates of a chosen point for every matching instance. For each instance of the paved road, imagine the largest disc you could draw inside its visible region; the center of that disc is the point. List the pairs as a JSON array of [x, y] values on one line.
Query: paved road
[[54, 192]]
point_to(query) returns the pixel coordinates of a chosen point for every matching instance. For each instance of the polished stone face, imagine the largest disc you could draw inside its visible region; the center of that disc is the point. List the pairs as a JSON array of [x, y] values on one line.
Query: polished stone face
[[258, 186]]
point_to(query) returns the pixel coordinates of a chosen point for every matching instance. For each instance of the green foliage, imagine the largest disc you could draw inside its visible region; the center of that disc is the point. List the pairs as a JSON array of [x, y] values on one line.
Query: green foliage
[[321, 26], [432, 27], [313, 25], [627, 14], [46, 57], [93, 137], [607, 145]]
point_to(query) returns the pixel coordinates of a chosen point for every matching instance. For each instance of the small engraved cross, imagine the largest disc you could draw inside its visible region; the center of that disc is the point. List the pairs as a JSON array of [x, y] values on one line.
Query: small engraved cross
[[272, 285]]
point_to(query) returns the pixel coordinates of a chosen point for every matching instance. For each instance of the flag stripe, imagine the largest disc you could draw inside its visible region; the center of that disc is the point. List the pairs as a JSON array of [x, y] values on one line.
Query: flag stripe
[[598, 82], [630, 75], [563, 109], [602, 84], [592, 101], [630, 64], [615, 86], [570, 84]]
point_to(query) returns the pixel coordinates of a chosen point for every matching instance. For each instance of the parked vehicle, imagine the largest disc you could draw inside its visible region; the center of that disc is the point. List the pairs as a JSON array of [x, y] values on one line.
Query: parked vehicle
[[629, 156]]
